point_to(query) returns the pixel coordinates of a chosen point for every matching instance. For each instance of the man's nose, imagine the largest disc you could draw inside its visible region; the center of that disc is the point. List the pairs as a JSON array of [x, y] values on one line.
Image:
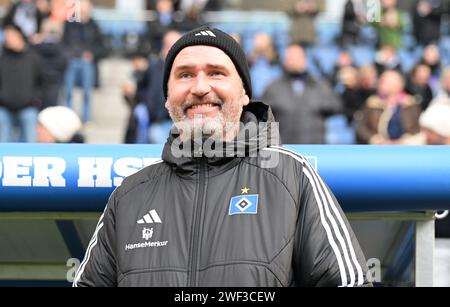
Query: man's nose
[[201, 86]]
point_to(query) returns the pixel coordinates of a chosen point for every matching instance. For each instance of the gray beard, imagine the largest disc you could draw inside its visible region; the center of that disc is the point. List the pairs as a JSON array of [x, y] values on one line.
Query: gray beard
[[217, 129]]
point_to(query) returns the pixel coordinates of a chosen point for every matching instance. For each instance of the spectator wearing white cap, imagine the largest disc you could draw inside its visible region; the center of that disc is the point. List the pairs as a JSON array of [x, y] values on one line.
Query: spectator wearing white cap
[[435, 124], [59, 125]]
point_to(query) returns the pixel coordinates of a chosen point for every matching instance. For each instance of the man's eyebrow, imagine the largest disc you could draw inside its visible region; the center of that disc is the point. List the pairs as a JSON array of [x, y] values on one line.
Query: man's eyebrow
[[192, 66], [217, 66], [184, 67]]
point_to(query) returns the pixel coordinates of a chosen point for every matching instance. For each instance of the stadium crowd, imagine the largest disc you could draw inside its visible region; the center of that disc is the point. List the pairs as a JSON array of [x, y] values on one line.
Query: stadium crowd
[[382, 79]]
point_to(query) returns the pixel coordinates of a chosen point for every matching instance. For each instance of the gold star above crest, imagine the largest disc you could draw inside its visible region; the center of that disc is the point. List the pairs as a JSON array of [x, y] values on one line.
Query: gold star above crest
[[245, 190]]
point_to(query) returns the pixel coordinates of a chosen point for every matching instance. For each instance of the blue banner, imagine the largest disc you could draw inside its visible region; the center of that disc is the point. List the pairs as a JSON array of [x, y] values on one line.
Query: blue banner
[[80, 178]]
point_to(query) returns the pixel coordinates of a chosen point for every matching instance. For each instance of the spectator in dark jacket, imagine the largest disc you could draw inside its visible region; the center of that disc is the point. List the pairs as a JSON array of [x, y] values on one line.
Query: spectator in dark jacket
[[149, 120], [135, 91], [164, 21], [160, 121], [20, 80], [427, 16], [300, 103], [54, 60], [387, 58], [432, 57], [418, 85], [27, 15], [353, 98], [83, 40], [191, 19], [350, 24]]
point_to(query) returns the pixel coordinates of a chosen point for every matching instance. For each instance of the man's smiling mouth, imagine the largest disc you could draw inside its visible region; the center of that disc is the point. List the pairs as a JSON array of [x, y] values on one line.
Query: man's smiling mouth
[[206, 109]]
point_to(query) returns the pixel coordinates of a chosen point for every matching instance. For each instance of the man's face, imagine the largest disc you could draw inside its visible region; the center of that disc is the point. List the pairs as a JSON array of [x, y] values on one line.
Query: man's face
[[13, 39], [390, 84], [295, 59], [422, 75], [205, 93]]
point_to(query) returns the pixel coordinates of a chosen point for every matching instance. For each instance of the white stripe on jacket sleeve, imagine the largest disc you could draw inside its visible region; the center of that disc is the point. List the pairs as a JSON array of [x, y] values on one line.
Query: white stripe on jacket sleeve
[[319, 188]]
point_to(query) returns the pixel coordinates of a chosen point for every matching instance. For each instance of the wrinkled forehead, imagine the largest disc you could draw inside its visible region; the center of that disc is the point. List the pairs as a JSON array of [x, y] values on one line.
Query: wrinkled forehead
[[202, 56]]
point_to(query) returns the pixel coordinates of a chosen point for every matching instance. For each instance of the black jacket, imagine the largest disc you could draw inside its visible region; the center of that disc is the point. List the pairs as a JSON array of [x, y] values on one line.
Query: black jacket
[[80, 37], [427, 29], [21, 77], [266, 219], [302, 114]]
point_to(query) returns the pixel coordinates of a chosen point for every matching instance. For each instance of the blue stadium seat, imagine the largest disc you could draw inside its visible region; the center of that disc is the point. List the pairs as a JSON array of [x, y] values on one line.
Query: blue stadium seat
[[311, 67], [409, 58], [325, 58], [445, 50], [368, 36], [327, 33], [337, 130], [362, 54]]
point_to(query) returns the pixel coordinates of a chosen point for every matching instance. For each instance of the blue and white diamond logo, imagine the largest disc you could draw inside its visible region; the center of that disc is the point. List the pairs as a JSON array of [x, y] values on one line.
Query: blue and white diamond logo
[[244, 204]]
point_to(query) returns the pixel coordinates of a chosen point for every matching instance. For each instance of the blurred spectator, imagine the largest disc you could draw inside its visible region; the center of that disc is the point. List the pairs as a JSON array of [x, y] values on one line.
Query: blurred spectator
[[390, 117], [59, 125], [163, 22], [54, 61], [213, 5], [431, 57], [84, 43], [435, 124], [390, 29], [150, 121], [427, 16], [191, 19], [353, 98], [60, 11], [27, 15], [355, 86], [160, 122], [300, 103], [20, 80], [368, 80], [133, 92], [303, 14], [237, 37], [263, 62], [387, 59], [344, 60], [418, 85], [444, 95], [187, 5], [351, 25]]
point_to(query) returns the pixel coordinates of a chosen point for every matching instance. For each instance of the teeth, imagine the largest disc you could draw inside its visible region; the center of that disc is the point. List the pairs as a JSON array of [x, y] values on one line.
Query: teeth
[[207, 105]]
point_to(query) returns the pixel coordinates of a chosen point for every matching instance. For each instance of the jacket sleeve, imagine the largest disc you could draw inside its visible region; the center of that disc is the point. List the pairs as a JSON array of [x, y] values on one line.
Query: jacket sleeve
[[98, 268], [326, 251], [328, 102]]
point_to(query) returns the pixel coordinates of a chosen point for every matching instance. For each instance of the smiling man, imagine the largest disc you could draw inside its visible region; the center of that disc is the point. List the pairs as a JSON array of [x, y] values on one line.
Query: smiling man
[[256, 215], [193, 104]]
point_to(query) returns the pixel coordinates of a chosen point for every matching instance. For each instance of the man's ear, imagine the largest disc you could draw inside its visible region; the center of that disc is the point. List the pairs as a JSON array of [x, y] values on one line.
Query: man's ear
[[246, 99], [167, 104]]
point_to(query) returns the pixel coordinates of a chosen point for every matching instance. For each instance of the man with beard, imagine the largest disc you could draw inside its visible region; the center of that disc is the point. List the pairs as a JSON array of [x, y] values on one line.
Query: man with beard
[[251, 217]]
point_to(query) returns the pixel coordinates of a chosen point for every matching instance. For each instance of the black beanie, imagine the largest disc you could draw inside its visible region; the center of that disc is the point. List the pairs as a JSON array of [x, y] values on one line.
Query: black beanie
[[210, 37]]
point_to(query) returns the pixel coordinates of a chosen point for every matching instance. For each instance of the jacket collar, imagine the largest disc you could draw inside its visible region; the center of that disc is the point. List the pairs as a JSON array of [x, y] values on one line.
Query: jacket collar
[[220, 157]]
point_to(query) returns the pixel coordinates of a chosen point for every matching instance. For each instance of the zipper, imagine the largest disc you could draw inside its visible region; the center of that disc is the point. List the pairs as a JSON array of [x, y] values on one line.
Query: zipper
[[197, 222]]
